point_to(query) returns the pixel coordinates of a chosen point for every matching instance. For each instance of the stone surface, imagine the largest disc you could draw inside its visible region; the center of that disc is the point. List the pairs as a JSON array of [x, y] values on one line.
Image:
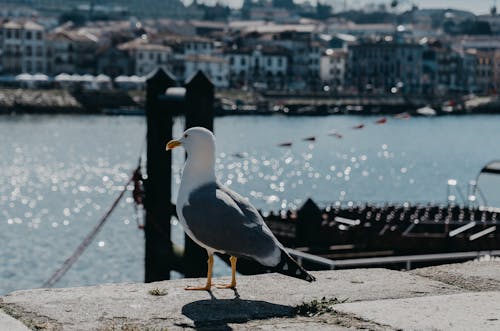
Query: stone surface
[[474, 276], [465, 311], [258, 299], [7, 322]]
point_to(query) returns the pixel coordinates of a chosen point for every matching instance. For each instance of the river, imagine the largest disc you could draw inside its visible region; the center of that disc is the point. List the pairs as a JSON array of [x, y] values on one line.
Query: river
[[59, 174]]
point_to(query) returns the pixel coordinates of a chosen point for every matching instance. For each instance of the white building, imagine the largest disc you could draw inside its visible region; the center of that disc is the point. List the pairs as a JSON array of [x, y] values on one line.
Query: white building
[[24, 47], [197, 45], [265, 65], [215, 67], [146, 56], [333, 68]]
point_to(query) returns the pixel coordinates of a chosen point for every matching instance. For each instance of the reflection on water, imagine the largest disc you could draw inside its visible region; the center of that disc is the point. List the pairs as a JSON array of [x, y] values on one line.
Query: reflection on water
[[59, 174]]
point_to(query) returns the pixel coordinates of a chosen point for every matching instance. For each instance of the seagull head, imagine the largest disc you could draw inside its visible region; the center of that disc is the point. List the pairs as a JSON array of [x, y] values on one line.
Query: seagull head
[[196, 141]]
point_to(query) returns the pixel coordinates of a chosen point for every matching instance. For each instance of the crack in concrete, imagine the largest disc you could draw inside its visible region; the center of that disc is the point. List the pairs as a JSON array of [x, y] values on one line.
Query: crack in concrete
[[32, 320]]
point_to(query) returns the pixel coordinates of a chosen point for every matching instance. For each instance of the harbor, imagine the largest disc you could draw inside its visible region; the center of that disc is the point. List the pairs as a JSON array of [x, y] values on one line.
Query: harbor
[[68, 177], [228, 103]]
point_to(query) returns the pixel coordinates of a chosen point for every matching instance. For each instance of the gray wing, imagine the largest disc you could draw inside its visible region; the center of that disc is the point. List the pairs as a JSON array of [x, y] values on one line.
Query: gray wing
[[223, 220]]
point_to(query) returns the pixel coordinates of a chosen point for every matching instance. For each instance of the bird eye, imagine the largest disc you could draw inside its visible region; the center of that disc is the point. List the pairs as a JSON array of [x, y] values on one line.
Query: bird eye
[[185, 135]]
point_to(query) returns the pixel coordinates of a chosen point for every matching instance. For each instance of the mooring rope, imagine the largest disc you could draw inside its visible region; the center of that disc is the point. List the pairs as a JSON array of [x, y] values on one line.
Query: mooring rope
[[90, 237]]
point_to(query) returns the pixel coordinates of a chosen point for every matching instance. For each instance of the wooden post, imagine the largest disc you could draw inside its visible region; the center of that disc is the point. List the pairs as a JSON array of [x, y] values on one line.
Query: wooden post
[[308, 229], [199, 112], [158, 185]]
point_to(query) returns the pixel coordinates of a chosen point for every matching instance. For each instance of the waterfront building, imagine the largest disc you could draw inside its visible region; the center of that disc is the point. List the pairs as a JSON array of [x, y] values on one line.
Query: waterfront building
[[493, 20], [147, 56], [72, 52], [315, 51], [468, 71], [448, 67], [24, 47], [114, 62], [485, 70], [264, 66], [496, 71], [385, 66], [182, 44], [304, 54], [481, 42], [215, 67], [360, 30], [333, 68]]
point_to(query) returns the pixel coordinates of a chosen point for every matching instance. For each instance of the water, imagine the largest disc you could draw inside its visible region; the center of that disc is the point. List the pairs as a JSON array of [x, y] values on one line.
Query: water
[[59, 174]]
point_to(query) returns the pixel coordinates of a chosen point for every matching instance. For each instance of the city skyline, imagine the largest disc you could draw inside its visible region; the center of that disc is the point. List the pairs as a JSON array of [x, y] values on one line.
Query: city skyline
[[477, 7]]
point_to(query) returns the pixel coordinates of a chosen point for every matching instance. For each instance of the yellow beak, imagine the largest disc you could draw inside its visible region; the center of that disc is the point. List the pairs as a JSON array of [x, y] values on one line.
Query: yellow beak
[[173, 144]]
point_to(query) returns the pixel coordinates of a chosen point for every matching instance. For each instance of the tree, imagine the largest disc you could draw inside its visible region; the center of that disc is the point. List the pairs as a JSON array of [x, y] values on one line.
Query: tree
[[72, 16], [323, 11], [287, 4]]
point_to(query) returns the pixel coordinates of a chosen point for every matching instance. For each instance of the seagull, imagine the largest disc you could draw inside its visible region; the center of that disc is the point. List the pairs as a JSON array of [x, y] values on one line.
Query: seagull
[[219, 219]]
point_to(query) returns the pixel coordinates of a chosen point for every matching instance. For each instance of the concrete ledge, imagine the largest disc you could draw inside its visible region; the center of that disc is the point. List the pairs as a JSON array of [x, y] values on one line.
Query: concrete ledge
[[465, 311], [7, 322], [258, 298], [472, 276], [457, 296]]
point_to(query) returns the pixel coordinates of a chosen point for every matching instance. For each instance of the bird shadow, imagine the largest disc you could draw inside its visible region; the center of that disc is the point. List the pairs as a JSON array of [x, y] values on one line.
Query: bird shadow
[[216, 314]]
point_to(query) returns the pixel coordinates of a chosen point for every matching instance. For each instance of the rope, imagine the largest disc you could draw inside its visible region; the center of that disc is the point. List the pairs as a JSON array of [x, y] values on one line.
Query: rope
[[89, 238]]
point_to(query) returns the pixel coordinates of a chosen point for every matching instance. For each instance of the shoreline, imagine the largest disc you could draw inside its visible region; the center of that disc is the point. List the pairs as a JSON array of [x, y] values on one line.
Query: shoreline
[[234, 103]]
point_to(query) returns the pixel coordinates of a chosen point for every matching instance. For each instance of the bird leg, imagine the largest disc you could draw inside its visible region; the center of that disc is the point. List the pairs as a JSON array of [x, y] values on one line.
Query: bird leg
[[232, 285], [209, 277]]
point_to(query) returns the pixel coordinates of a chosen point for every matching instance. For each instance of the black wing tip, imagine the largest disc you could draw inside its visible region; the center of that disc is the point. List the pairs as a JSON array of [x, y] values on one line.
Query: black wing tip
[[310, 278], [289, 267]]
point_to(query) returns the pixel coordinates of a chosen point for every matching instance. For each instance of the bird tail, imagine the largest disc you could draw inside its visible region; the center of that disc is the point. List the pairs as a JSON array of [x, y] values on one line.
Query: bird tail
[[289, 267]]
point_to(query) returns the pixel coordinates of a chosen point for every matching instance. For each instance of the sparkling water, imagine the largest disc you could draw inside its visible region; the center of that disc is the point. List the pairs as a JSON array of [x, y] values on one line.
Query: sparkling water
[[59, 175]]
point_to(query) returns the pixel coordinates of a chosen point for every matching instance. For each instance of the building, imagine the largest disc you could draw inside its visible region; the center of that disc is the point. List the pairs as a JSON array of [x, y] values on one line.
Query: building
[[72, 52], [303, 57], [314, 58], [468, 71], [449, 70], [189, 45], [147, 56], [114, 62], [215, 67], [264, 66], [24, 47], [385, 66], [333, 69], [485, 71], [448, 63], [496, 71]]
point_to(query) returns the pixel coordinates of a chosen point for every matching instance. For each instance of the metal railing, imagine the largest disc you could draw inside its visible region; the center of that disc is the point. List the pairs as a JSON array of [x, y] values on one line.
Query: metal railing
[[373, 261]]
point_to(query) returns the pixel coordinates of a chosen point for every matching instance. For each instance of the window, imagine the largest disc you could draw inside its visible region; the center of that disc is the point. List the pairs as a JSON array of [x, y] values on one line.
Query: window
[[39, 35], [28, 34], [269, 62], [280, 62], [39, 51], [29, 51], [9, 33], [231, 60], [242, 61], [17, 34], [151, 56]]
